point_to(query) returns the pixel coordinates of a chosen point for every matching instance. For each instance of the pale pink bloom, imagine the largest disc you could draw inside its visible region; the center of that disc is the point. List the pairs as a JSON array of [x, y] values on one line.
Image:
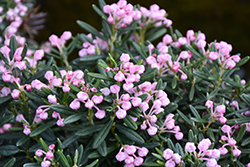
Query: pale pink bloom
[[125, 57], [19, 118], [121, 113], [209, 104], [97, 99], [39, 54], [60, 122], [66, 35], [177, 158], [115, 89], [143, 125], [213, 55], [66, 88], [45, 164], [15, 94], [49, 155], [138, 161], [184, 55], [231, 142], [105, 91], [231, 64], [153, 119], [119, 77], [126, 105], [51, 147], [183, 77], [26, 130], [130, 150], [182, 40], [170, 163], [121, 156], [82, 96], [226, 129], [179, 136], [211, 163], [223, 150], [49, 75], [89, 104], [52, 99], [152, 130], [39, 152], [142, 152], [129, 160], [100, 114], [190, 147], [204, 144], [136, 101], [215, 153], [75, 104]]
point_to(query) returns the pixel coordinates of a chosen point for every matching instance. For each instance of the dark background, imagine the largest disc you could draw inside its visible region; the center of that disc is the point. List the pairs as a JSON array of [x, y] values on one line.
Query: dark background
[[221, 20]]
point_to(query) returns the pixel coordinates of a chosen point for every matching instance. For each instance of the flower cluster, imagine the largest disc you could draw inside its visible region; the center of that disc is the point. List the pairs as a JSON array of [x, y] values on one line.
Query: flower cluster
[[218, 113], [204, 152], [95, 48], [128, 154], [48, 155], [60, 42], [228, 141], [172, 159], [20, 118]]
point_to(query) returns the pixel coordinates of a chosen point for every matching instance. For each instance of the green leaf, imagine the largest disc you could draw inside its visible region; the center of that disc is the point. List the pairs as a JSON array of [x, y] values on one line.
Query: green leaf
[[238, 120], [214, 77], [62, 109], [201, 75], [80, 155], [246, 99], [130, 122], [102, 149], [69, 141], [93, 163], [5, 99], [72, 45], [143, 97], [179, 149], [171, 145], [242, 61], [22, 141], [159, 85], [100, 76], [174, 83], [157, 34], [6, 119], [241, 133], [25, 48], [41, 129], [214, 93], [73, 118], [7, 150], [86, 59], [131, 134], [63, 158], [235, 84], [59, 143], [191, 93], [228, 73], [158, 156], [191, 137], [194, 111], [211, 134], [101, 4], [199, 120], [95, 154], [89, 130], [153, 164], [10, 163], [31, 165], [45, 146], [239, 163], [245, 142], [90, 29], [185, 118], [139, 50], [13, 46], [33, 96], [98, 11], [102, 134]]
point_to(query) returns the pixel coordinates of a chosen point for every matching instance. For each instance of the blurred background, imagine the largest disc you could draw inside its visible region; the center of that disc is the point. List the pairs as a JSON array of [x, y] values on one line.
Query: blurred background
[[221, 20]]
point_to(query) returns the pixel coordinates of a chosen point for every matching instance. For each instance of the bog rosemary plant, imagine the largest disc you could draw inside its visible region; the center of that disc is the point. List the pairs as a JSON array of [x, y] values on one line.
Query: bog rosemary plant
[[124, 100]]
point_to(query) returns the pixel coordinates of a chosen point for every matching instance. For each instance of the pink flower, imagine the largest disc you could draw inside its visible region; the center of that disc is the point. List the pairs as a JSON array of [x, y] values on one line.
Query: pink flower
[[26, 130], [190, 147], [49, 155], [119, 77], [114, 89], [121, 156], [97, 99], [130, 150], [226, 129], [60, 122], [45, 164], [100, 114], [15, 94], [176, 157], [89, 104], [19, 118], [152, 130], [105, 91], [167, 154], [209, 104], [211, 163], [121, 113], [213, 55], [204, 144], [142, 152], [75, 104], [138, 161], [125, 57], [52, 99], [39, 152]]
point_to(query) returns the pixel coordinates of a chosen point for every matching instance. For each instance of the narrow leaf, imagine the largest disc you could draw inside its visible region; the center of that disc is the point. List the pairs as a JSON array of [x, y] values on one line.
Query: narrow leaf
[[100, 76], [101, 135], [10, 163], [7, 150], [130, 122], [90, 29], [89, 130], [131, 134], [102, 149], [93, 163], [73, 118], [41, 129], [241, 133], [184, 117], [194, 111]]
